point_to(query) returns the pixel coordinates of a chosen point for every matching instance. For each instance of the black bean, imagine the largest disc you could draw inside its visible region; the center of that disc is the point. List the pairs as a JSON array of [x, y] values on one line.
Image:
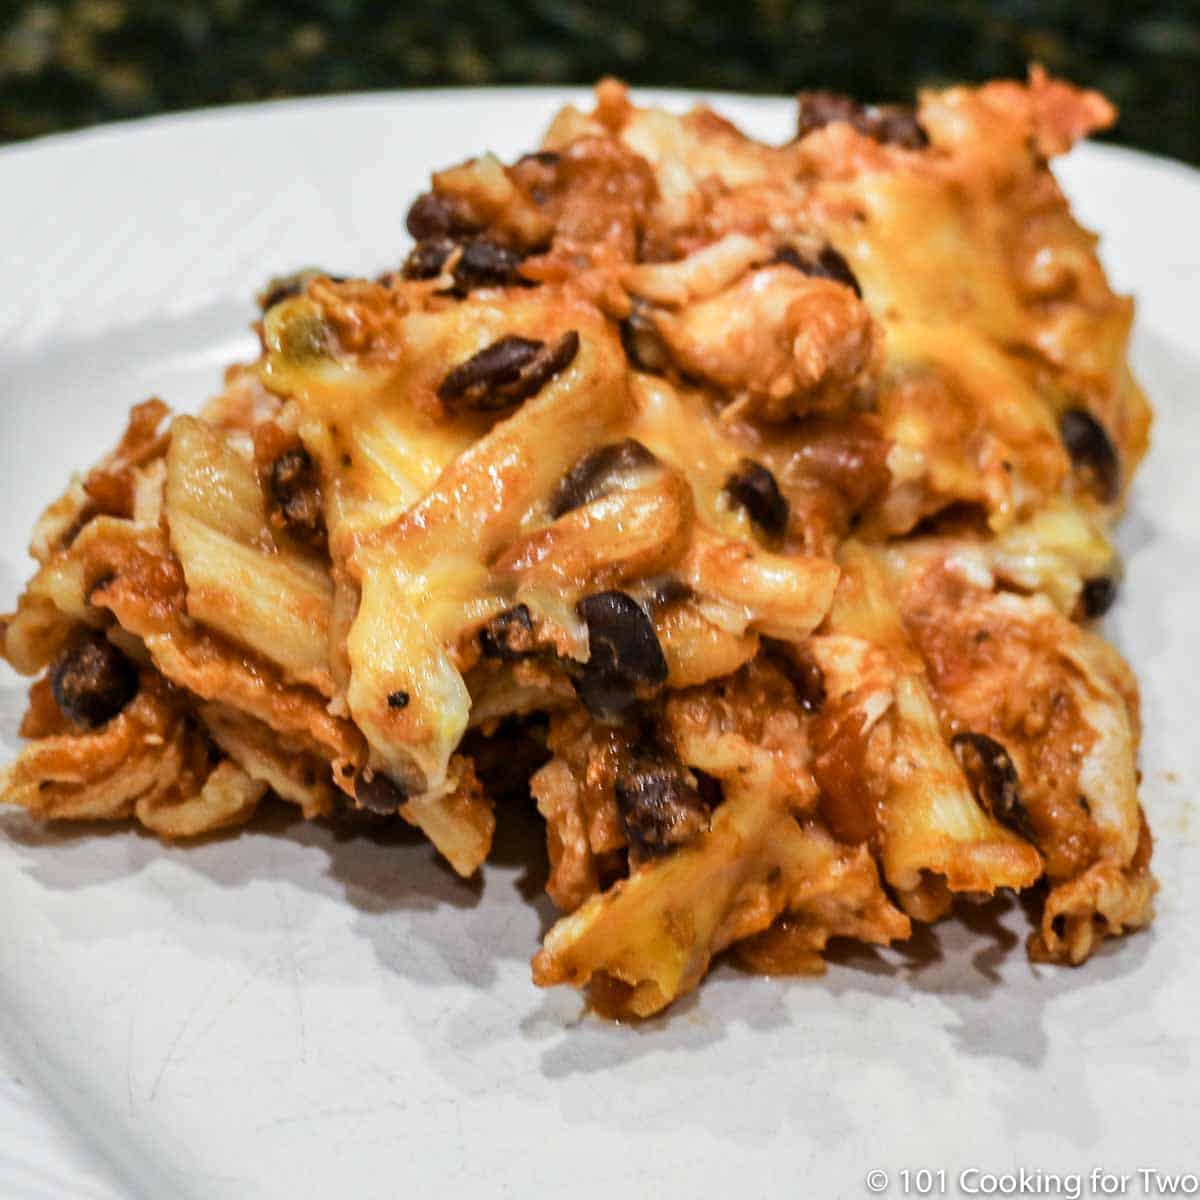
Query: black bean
[[480, 380], [993, 777], [506, 372], [753, 488], [659, 808], [427, 257], [1092, 452], [1097, 595], [625, 662], [375, 792], [509, 636], [893, 124], [435, 215], [296, 493], [643, 344], [398, 699], [92, 681], [828, 264], [591, 476], [485, 263]]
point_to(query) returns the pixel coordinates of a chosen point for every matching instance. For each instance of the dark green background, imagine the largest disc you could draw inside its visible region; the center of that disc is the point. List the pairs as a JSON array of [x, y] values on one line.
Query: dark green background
[[69, 63]]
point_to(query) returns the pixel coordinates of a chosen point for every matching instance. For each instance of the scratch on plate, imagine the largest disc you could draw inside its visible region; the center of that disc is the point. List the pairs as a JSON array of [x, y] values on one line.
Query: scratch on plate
[[324, 1114], [134, 1011], [234, 996], [170, 1057], [294, 971]]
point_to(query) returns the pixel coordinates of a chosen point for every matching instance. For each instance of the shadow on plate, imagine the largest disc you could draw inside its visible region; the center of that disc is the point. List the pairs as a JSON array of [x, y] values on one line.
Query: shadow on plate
[[972, 964], [457, 933], [382, 873], [962, 961], [966, 981]]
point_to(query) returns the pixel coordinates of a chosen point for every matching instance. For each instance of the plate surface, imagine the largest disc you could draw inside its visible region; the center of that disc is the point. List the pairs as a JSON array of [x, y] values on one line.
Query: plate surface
[[285, 1014]]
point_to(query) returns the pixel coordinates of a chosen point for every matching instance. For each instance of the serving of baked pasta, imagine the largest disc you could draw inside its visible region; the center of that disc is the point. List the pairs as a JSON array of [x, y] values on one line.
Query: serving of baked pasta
[[744, 507]]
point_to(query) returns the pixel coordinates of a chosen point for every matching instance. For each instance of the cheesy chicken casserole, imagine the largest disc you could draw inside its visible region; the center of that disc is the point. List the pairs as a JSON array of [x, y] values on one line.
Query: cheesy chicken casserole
[[748, 505]]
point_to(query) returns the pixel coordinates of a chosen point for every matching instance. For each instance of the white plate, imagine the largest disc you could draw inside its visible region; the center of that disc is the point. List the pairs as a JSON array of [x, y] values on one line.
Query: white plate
[[283, 1014]]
